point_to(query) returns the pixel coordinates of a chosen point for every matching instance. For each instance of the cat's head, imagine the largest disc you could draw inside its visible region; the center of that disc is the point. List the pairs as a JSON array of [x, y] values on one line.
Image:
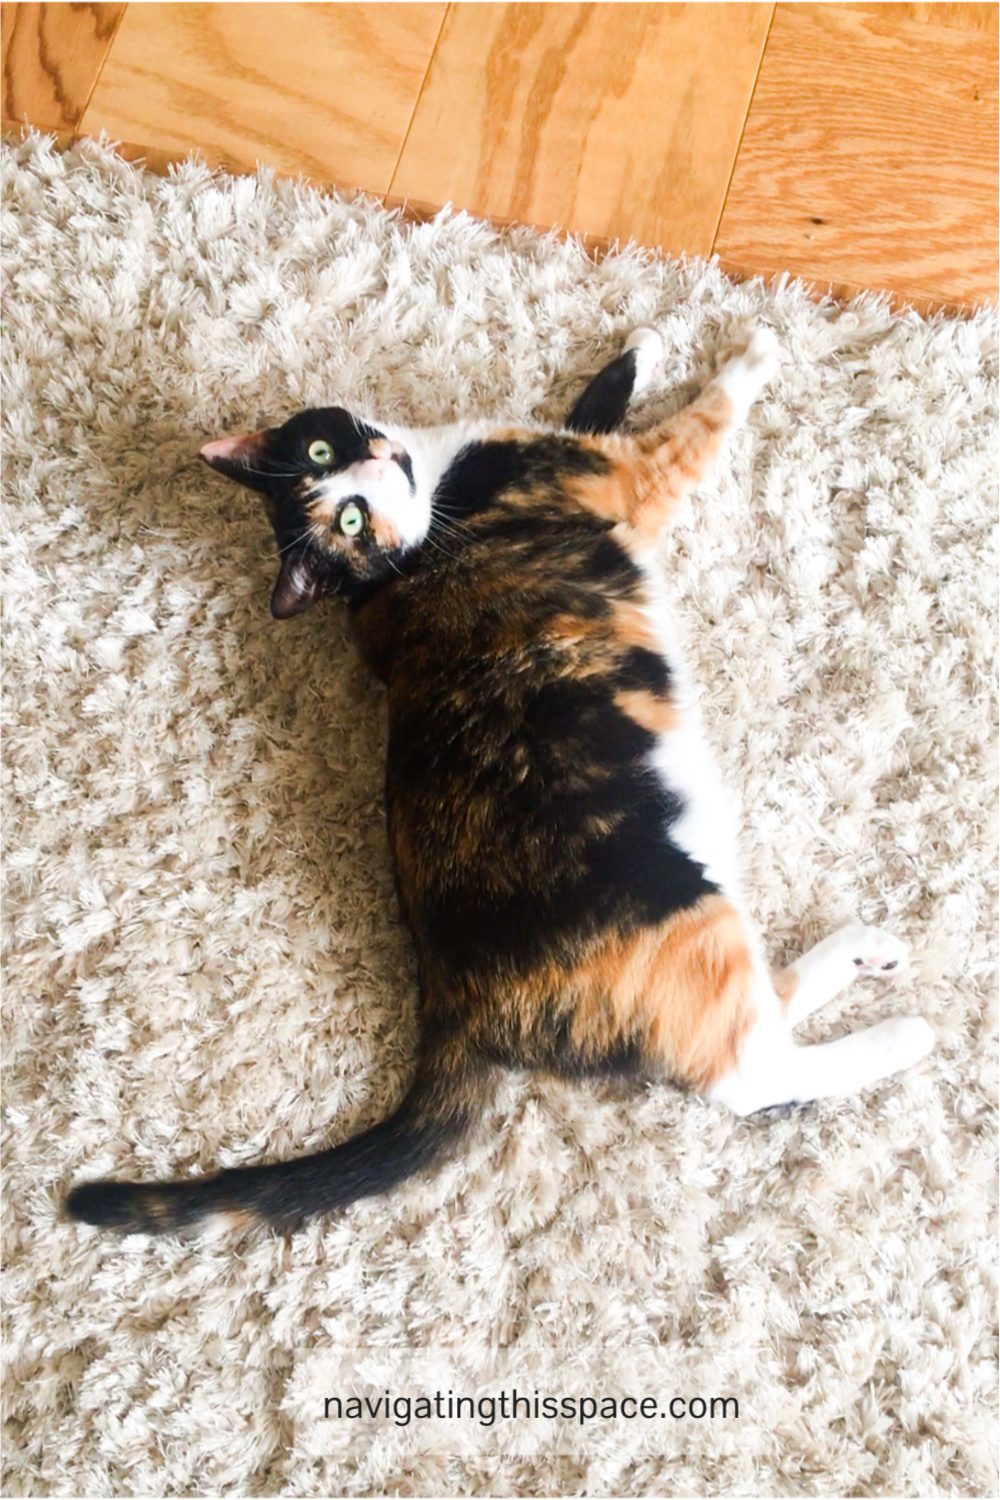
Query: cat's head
[[342, 499]]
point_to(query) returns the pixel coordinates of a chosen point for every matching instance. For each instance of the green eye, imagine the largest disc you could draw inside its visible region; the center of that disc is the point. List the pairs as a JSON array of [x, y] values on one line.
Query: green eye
[[321, 453], [352, 520]]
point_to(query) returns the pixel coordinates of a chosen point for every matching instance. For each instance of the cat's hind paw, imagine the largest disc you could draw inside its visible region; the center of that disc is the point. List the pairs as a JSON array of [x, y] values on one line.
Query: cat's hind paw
[[874, 951], [903, 1041]]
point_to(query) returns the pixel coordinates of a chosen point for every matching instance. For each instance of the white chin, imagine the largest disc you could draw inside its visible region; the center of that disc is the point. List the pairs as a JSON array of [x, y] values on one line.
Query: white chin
[[388, 496], [392, 499]]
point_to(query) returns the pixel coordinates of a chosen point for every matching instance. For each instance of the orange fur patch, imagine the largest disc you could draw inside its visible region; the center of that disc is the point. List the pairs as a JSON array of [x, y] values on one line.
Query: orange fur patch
[[684, 990], [235, 1218], [633, 627], [785, 982], [383, 531], [606, 495], [652, 713], [651, 473]]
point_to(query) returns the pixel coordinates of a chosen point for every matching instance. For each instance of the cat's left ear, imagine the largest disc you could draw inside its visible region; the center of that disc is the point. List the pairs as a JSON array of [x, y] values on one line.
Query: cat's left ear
[[297, 586], [242, 458]]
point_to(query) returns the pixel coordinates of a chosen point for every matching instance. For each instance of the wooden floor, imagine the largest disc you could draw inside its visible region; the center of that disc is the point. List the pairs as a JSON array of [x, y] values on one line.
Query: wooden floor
[[853, 144]]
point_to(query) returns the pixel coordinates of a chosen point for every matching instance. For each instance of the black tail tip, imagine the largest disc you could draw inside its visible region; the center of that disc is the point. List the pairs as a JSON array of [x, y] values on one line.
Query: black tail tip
[[109, 1205]]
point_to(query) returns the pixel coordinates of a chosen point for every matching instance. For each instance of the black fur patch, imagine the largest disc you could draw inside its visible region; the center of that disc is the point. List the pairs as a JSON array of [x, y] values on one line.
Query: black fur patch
[[603, 405], [483, 472]]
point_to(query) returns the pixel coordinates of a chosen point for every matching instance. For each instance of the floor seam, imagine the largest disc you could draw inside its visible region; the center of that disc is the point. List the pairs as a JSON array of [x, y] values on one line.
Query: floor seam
[[739, 143], [77, 128], [416, 106]]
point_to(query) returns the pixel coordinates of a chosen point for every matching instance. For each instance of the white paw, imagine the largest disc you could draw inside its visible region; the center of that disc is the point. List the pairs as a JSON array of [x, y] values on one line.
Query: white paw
[[903, 1042], [745, 374], [649, 353], [763, 349], [871, 950]]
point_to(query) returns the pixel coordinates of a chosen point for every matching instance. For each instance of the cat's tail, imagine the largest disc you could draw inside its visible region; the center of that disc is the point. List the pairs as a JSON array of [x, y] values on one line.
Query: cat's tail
[[445, 1100]]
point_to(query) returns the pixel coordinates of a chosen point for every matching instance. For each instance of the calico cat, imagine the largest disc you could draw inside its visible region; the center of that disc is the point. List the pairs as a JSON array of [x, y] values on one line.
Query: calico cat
[[562, 852]]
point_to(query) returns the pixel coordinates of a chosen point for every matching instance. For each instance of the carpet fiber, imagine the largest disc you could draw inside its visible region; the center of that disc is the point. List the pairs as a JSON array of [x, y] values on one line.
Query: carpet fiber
[[204, 962]]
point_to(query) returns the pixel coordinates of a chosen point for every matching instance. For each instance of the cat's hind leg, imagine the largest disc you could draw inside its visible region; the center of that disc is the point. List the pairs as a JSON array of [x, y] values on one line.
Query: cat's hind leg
[[772, 1069], [698, 991], [602, 406], [852, 952]]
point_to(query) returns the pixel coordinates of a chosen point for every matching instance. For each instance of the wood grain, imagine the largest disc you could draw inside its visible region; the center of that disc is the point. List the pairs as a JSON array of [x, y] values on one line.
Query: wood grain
[[961, 17], [610, 120], [52, 58], [325, 90], [870, 156]]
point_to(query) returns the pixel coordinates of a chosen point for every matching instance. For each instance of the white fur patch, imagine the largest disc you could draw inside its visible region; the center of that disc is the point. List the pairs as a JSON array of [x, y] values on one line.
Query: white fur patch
[[775, 1070], [745, 375], [685, 764], [706, 828], [648, 346], [433, 450], [384, 487]]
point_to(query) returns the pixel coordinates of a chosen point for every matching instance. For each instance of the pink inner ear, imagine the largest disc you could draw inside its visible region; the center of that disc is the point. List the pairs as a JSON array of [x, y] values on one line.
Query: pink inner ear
[[231, 447]]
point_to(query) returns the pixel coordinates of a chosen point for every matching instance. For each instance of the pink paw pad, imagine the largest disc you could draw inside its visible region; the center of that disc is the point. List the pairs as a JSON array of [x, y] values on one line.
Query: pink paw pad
[[878, 953]]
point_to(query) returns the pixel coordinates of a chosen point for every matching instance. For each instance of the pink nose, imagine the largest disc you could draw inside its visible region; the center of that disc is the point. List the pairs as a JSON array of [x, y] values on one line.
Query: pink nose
[[374, 467]]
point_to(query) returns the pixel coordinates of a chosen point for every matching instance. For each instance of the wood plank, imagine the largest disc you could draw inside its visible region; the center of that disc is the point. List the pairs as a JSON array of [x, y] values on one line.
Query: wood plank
[[870, 156], [52, 58], [960, 16], [325, 90], [609, 120]]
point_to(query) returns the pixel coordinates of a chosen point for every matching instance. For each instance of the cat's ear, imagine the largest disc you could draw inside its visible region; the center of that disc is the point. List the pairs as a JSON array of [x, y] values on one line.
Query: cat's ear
[[242, 458], [297, 586]]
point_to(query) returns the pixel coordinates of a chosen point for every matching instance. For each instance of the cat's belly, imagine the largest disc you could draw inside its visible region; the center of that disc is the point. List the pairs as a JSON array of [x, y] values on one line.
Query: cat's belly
[[707, 827], [547, 774]]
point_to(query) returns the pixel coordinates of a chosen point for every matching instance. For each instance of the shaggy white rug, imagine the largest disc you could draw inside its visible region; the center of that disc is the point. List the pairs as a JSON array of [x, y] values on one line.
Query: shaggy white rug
[[204, 962]]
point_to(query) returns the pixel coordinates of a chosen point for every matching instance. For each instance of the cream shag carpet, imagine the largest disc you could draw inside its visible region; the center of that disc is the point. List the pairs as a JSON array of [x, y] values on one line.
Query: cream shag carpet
[[204, 962]]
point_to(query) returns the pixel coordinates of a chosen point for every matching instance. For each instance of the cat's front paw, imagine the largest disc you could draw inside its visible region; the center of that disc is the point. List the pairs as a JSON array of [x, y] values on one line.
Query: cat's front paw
[[647, 346], [761, 349], [747, 371]]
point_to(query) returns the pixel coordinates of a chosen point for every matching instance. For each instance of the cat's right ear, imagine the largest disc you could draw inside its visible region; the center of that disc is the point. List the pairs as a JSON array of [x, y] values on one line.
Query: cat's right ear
[[242, 458]]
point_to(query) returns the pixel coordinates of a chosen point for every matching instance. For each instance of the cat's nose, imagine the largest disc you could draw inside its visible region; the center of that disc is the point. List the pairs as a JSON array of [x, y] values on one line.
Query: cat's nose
[[380, 448], [374, 467]]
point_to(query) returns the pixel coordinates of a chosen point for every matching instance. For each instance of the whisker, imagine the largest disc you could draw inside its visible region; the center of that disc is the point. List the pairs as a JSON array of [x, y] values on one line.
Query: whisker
[[451, 556], [274, 473], [463, 538], [455, 526], [445, 516], [447, 529], [451, 510], [302, 537]]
